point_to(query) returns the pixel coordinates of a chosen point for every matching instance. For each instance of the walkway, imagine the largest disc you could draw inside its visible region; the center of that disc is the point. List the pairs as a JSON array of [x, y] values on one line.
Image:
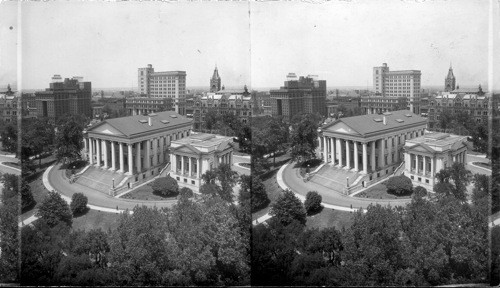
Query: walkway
[[289, 178], [54, 179]]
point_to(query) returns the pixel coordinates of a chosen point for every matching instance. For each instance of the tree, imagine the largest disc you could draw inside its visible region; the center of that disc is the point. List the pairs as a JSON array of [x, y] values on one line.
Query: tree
[[209, 176], [78, 204], [9, 241], [288, 208], [211, 118], [187, 192], [37, 137], [9, 138], [419, 191], [260, 199], [69, 139], [399, 185], [210, 189], [227, 179], [313, 202], [27, 200], [276, 135], [460, 177], [304, 137], [54, 210], [166, 186]]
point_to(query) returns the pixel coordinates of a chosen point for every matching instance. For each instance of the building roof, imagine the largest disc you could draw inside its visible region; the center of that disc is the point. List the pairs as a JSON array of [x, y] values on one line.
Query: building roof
[[202, 143], [467, 90], [136, 125], [373, 124], [436, 142]]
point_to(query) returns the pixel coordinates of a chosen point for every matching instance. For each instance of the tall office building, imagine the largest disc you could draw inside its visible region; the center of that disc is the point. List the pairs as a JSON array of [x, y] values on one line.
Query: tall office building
[[167, 84], [303, 95], [403, 83], [215, 81], [71, 96]]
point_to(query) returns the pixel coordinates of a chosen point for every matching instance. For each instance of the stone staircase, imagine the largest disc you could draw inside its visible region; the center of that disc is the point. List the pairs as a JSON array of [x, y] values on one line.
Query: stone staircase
[[100, 179]]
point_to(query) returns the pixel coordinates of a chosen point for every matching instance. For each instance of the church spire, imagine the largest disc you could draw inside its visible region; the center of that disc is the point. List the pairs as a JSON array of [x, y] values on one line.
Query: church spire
[[215, 81]]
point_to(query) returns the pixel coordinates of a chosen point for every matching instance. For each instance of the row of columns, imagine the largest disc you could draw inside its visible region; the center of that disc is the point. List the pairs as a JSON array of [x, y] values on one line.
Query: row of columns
[[189, 163], [226, 158], [415, 164], [99, 147], [334, 148]]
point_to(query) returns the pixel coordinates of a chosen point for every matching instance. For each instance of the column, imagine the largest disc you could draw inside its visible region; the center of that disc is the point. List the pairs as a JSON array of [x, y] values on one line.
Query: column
[[113, 156], [381, 154], [173, 163], [138, 157], [365, 158], [155, 151], [389, 155], [348, 155], [130, 165], [339, 149], [416, 164], [373, 164], [162, 148], [91, 153], [122, 168], [182, 165], [332, 144], [325, 149], [85, 146], [198, 174], [105, 148], [98, 145], [425, 167], [356, 157], [432, 168], [147, 163], [190, 166]]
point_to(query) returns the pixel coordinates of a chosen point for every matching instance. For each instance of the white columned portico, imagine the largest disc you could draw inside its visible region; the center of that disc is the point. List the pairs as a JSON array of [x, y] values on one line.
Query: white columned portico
[[348, 155], [105, 150], [365, 158], [120, 148], [91, 153], [339, 149], [98, 145], [130, 165], [381, 153], [113, 156]]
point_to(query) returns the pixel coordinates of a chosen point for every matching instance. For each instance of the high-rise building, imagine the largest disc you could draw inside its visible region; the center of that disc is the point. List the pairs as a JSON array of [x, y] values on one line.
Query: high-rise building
[[71, 96], [167, 84], [449, 82], [303, 95], [403, 83], [215, 81]]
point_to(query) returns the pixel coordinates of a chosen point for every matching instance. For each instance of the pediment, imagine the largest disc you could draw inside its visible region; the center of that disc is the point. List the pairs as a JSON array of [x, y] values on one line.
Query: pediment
[[420, 148], [188, 149], [342, 128], [107, 129]]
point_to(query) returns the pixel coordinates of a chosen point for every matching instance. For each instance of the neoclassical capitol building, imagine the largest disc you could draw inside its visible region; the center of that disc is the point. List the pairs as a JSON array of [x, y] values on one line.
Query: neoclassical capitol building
[[133, 149], [369, 146]]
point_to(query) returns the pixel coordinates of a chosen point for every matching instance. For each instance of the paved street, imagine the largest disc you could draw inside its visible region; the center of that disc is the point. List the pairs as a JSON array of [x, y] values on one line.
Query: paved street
[[477, 169], [8, 169], [241, 159]]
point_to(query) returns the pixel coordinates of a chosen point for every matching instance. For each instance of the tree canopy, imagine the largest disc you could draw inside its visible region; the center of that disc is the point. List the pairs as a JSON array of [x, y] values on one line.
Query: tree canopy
[[288, 208], [304, 137], [69, 139]]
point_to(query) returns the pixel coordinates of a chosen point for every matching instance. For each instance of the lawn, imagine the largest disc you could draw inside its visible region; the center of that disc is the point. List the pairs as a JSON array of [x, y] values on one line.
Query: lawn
[[379, 191], [94, 219], [145, 192], [330, 218]]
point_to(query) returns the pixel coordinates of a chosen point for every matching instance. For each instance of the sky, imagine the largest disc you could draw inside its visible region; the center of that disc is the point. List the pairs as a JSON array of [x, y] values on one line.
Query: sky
[[252, 43]]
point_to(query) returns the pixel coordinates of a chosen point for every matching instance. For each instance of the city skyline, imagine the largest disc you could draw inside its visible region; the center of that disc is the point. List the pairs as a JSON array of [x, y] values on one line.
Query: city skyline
[[252, 43]]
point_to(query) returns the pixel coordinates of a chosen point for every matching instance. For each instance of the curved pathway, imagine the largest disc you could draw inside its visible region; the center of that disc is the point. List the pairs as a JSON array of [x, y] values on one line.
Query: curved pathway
[[54, 179], [288, 177]]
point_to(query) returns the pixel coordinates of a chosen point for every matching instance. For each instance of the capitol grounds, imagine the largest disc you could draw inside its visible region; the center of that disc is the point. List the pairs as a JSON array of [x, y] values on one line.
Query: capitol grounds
[[104, 210], [340, 214]]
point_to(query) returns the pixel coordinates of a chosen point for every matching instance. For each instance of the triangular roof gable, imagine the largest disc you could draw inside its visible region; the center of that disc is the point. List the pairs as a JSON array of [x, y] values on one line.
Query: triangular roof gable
[[105, 128], [339, 127], [186, 148], [420, 147]]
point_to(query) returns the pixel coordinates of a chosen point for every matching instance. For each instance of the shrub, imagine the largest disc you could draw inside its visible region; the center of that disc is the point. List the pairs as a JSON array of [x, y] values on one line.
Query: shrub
[[399, 185], [78, 204], [185, 191], [313, 202], [288, 208], [166, 186], [260, 199], [420, 191]]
